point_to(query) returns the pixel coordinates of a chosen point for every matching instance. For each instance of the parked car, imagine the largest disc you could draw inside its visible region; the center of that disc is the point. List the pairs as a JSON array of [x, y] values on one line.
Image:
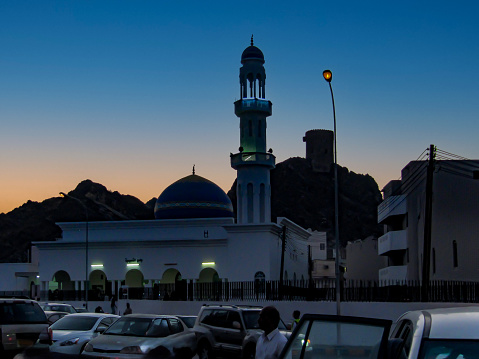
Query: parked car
[[136, 335], [450, 333], [52, 317], [229, 330], [57, 307], [340, 337], [71, 333], [21, 322]]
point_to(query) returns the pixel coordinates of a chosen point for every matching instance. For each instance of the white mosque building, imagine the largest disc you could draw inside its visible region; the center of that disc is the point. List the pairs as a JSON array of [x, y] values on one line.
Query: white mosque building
[[194, 237]]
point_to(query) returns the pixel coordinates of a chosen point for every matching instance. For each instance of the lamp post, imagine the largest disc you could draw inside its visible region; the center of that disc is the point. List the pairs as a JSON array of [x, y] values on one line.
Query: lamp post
[[86, 245], [328, 76]]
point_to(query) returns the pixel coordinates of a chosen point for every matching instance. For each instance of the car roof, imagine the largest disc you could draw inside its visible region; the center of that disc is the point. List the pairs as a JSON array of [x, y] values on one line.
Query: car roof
[[97, 315], [447, 323], [149, 316], [16, 299], [54, 303]]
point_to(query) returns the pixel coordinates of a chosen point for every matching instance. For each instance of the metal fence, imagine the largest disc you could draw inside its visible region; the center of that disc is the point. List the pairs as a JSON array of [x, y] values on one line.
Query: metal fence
[[302, 290]]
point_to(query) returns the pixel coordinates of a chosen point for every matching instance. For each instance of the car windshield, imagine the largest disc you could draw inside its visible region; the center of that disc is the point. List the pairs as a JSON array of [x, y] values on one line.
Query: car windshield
[[130, 326], [59, 308], [450, 349], [70, 322], [328, 338], [251, 320], [21, 313]]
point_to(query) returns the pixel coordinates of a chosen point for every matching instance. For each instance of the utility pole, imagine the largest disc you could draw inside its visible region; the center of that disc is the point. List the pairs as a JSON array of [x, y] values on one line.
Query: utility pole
[[426, 264], [283, 249]]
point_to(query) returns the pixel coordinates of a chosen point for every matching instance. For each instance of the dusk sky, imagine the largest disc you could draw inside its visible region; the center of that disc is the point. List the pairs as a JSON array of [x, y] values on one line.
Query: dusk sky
[[131, 94]]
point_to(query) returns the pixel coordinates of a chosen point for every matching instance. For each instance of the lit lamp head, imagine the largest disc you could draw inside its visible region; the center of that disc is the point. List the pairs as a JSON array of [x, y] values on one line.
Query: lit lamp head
[[328, 75]]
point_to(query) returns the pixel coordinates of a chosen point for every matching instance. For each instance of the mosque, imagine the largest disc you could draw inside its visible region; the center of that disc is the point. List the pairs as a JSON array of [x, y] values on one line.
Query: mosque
[[194, 237]]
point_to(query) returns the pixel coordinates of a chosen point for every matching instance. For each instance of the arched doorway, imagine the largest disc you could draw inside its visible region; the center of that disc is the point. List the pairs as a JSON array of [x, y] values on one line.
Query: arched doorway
[[172, 285], [61, 287], [133, 284], [209, 275], [209, 285], [98, 285]]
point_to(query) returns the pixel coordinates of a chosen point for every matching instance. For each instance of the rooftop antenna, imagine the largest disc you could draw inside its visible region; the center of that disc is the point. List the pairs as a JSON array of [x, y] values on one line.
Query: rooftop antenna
[[252, 40], [193, 169]]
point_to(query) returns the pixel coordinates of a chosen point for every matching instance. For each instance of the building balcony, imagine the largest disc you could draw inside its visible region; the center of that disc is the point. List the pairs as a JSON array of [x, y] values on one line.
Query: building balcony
[[392, 206], [253, 104], [392, 275], [392, 241], [253, 158]]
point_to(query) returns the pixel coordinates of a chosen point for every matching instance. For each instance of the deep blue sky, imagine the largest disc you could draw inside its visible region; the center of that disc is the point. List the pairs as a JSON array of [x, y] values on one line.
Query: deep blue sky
[[131, 94]]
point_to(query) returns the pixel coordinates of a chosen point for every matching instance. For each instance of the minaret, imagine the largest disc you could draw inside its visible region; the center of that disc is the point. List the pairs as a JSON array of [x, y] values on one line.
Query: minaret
[[253, 163]]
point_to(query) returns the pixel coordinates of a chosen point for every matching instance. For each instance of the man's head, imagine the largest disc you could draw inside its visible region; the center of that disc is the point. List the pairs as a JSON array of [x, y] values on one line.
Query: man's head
[[296, 314], [268, 319]]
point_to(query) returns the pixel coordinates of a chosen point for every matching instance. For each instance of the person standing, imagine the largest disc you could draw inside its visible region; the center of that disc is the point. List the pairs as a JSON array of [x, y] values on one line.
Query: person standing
[[296, 315], [113, 304], [271, 342], [128, 309]]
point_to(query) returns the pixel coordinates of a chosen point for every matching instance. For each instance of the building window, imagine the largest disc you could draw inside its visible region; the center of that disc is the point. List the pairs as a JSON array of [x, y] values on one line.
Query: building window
[[454, 253], [322, 246]]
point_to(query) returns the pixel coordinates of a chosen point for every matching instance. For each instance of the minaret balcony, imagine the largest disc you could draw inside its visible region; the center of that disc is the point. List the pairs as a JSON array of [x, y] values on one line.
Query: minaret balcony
[[253, 158], [253, 105]]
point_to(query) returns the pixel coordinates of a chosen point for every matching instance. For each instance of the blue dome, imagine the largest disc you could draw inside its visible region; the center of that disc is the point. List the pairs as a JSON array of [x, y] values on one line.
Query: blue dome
[[193, 197]]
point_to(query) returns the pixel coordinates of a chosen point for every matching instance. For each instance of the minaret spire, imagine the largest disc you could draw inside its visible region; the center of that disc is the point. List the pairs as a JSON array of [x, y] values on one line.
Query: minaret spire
[[253, 163]]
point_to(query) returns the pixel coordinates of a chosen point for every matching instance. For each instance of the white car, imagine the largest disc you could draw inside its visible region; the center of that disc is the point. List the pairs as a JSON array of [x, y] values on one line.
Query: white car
[[71, 333], [137, 335], [451, 333]]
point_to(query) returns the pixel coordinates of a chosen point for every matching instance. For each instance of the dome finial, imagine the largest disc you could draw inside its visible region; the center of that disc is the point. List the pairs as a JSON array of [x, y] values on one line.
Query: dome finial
[[193, 169], [252, 40]]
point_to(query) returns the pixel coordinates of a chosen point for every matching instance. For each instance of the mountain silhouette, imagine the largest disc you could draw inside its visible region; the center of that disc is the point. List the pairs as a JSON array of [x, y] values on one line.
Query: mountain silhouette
[[298, 193]]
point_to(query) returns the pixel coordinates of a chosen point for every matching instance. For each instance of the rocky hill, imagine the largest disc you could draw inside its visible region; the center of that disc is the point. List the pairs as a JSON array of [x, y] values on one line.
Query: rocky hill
[[305, 197]]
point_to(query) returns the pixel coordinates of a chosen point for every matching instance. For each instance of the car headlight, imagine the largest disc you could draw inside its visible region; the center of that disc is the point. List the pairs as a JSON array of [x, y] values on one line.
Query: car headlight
[[68, 342], [131, 350], [88, 348]]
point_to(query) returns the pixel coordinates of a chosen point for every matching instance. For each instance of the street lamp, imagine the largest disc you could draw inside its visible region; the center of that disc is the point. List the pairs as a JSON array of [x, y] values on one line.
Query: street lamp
[[86, 245], [328, 76]]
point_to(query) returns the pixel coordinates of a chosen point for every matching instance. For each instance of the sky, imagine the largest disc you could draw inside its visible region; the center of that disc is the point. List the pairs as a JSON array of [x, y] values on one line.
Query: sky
[[132, 94]]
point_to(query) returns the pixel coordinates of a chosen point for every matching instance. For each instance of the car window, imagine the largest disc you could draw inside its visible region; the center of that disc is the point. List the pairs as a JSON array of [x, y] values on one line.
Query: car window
[[159, 329], [251, 319], [21, 313], [175, 326], [233, 317], [338, 337], [450, 349], [70, 322], [130, 326], [189, 321], [216, 318]]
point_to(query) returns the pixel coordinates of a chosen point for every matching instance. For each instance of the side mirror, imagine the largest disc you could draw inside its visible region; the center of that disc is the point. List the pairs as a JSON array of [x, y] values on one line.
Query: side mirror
[[236, 325]]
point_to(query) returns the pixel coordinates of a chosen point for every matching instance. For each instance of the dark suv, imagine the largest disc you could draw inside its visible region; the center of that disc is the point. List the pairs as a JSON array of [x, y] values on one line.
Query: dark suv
[[229, 331], [21, 321]]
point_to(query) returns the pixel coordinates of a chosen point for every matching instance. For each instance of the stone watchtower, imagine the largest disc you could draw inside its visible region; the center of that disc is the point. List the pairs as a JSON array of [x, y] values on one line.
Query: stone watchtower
[[253, 163], [319, 149]]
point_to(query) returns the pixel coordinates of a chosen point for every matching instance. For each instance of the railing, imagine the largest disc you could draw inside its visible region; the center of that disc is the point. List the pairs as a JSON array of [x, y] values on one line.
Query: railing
[[302, 290]]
